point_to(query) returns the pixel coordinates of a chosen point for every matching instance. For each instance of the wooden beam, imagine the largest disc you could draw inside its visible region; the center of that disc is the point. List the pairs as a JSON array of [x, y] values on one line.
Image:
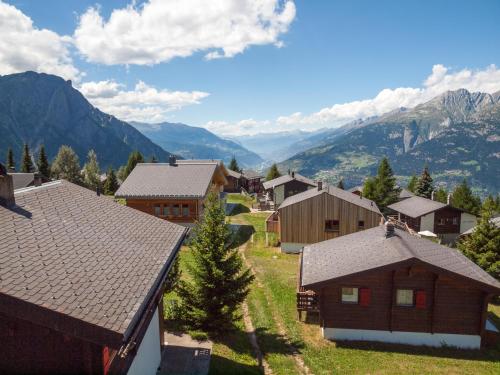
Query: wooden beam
[[393, 296], [434, 299]]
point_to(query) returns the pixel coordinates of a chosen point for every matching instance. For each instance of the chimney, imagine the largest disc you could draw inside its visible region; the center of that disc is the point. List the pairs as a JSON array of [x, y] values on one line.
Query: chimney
[[448, 199], [432, 195], [289, 173], [320, 185], [172, 160], [293, 174], [360, 195], [389, 229], [98, 190], [37, 179], [6, 188]]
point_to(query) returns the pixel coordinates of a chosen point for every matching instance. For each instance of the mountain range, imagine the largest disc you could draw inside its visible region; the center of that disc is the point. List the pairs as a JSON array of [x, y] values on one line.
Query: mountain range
[[192, 142], [456, 134]]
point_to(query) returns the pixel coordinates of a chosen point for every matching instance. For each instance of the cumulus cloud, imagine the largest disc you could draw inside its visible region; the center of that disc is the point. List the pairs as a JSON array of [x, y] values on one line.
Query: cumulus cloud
[[25, 47], [158, 30], [143, 103], [440, 80]]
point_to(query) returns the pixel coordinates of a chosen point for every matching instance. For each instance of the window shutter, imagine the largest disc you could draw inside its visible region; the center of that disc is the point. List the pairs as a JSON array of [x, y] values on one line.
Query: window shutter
[[364, 297], [420, 300]]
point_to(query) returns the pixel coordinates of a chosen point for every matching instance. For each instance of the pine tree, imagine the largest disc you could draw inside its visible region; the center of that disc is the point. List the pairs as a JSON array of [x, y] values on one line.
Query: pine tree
[[42, 163], [483, 245], [219, 283], [425, 184], [491, 204], [173, 277], [91, 171], [412, 184], [134, 158], [441, 195], [11, 165], [66, 165], [27, 165], [387, 192], [340, 184], [273, 172], [463, 198], [369, 188], [111, 183], [233, 165]]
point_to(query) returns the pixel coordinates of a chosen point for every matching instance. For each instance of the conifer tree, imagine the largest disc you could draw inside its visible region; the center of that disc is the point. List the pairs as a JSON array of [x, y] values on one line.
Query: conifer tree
[[43, 163], [412, 184], [273, 172], [491, 204], [219, 283], [483, 245], [91, 171], [11, 165], [340, 184], [27, 165], [173, 277], [134, 158], [387, 192], [111, 183], [425, 185], [369, 188], [441, 195], [463, 198], [233, 165], [66, 165]]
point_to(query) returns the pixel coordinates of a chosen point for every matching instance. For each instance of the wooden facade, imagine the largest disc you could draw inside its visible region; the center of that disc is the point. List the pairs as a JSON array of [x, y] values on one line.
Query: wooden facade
[[174, 210], [304, 222]]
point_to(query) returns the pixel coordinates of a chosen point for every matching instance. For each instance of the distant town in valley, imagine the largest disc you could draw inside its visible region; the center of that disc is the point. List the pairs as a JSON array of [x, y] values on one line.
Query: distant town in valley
[[249, 187]]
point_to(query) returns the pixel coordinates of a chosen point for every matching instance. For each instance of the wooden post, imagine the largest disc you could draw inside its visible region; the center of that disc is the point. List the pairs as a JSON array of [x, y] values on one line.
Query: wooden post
[[267, 239]]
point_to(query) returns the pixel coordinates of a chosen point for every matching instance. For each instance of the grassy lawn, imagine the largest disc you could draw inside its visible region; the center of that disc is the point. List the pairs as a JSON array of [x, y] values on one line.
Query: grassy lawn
[[274, 295]]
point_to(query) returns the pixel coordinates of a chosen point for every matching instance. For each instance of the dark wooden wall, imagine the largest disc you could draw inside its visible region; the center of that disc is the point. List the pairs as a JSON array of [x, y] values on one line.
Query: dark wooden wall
[[452, 304], [233, 185], [304, 222], [447, 213], [27, 348], [294, 187], [413, 223], [147, 205]]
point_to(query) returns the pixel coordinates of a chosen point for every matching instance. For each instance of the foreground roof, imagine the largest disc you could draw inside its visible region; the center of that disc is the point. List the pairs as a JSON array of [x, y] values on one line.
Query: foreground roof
[[22, 180], [334, 191], [67, 253], [370, 249], [186, 179], [416, 206], [271, 184]]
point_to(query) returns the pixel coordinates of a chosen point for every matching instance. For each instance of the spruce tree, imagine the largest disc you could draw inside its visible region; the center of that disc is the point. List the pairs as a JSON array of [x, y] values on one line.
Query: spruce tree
[[425, 184], [463, 198], [412, 184], [66, 165], [340, 184], [11, 165], [111, 183], [491, 204], [441, 195], [27, 165], [273, 172], [369, 188], [42, 163], [386, 190], [91, 171], [134, 158], [219, 283], [233, 165], [483, 245], [173, 277]]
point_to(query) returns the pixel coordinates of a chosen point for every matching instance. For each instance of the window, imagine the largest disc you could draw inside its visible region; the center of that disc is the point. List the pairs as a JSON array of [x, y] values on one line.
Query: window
[[455, 221], [332, 225], [349, 295], [166, 210], [176, 210], [185, 210], [361, 224], [441, 221], [157, 209], [404, 297]]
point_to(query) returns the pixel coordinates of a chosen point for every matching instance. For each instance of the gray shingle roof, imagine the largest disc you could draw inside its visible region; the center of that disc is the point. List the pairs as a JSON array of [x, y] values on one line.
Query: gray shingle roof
[[80, 255], [416, 206], [22, 180], [405, 194], [271, 184], [234, 174], [370, 249], [495, 221], [251, 174], [161, 180], [339, 193]]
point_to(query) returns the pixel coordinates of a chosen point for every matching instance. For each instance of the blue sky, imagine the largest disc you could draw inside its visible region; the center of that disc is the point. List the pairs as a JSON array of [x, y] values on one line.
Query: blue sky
[[331, 53]]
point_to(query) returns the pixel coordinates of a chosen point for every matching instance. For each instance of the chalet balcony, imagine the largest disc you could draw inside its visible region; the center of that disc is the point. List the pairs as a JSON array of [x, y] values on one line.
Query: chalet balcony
[[273, 223]]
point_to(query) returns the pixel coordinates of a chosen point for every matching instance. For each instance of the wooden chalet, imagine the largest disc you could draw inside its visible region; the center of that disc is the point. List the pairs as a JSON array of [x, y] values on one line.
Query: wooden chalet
[[252, 182], [82, 280], [286, 186], [173, 191], [422, 214], [384, 284], [235, 182], [320, 214]]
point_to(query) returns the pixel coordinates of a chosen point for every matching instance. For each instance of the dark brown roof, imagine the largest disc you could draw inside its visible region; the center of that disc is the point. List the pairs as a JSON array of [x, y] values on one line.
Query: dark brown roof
[[271, 184], [370, 249], [69, 254], [186, 179], [416, 206], [336, 192]]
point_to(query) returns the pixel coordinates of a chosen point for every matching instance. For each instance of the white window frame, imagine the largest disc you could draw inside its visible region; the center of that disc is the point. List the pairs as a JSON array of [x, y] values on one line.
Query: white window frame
[[403, 294], [349, 297]]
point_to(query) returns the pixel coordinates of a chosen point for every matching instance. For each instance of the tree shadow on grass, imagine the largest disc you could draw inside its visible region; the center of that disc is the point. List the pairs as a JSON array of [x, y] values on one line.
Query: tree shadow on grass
[[486, 354], [233, 209], [240, 234], [222, 366]]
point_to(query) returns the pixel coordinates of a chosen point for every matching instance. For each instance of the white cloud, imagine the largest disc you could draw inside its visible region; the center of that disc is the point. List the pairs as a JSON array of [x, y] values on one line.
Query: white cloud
[[159, 30], [440, 80], [143, 103], [25, 47]]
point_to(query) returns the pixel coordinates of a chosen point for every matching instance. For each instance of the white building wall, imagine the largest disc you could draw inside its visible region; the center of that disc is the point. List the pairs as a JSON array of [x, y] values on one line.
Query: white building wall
[[148, 357], [398, 337], [279, 195], [427, 222], [467, 221]]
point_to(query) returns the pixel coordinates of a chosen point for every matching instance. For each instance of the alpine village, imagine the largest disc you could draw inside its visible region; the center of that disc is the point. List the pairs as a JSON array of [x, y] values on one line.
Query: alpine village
[[360, 239]]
